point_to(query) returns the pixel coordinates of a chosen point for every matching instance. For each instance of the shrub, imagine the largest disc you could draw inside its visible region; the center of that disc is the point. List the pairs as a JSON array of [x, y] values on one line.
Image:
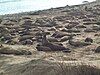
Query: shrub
[[64, 69]]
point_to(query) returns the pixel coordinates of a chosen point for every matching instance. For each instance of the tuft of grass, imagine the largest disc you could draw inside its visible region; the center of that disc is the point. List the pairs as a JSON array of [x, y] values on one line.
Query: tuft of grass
[[42, 67], [82, 69]]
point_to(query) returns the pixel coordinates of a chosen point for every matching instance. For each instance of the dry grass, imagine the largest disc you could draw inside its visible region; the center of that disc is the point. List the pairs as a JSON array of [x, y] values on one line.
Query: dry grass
[[82, 69], [41, 67]]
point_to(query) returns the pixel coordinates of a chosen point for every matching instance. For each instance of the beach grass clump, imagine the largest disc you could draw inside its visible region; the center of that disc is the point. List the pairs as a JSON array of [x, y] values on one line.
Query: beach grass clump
[[82, 69], [41, 67]]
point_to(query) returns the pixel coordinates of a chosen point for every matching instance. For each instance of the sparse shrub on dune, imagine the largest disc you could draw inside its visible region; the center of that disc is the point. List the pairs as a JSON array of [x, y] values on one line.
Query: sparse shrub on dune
[[42, 67], [77, 70]]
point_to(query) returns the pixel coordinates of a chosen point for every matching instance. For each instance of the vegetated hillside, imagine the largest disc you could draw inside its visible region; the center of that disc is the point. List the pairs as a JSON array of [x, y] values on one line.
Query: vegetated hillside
[[69, 34]]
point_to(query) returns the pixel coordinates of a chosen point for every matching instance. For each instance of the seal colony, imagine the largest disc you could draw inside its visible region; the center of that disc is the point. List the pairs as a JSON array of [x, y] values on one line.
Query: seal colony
[[53, 29]]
